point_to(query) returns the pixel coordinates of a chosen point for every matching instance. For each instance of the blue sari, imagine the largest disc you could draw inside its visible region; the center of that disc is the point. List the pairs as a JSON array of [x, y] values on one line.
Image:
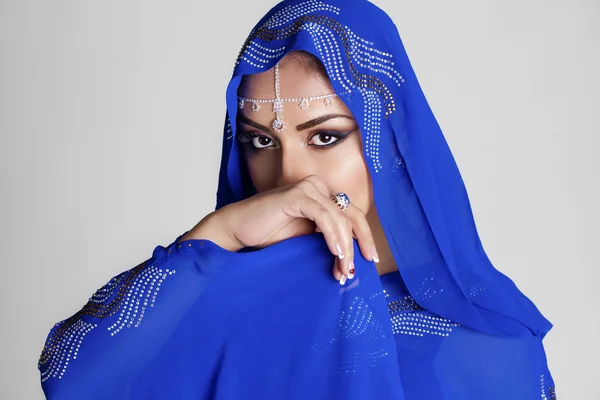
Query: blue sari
[[195, 321]]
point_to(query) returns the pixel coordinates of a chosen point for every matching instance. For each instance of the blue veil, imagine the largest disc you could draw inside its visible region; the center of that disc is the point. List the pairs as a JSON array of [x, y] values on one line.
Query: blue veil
[[195, 321], [419, 193]]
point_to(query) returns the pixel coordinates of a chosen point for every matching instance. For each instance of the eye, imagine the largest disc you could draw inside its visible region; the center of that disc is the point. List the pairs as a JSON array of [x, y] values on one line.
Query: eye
[[323, 139], [261, 142]]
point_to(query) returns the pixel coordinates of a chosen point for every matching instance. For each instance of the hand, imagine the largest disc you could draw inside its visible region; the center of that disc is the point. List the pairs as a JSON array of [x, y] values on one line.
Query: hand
[[282, 213]]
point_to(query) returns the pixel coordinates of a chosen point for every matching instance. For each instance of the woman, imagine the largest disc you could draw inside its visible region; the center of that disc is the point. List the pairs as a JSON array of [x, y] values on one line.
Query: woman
[[326, 107]]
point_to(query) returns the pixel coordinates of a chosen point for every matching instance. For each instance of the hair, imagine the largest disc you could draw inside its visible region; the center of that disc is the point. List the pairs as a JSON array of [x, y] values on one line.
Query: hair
[[305, 59]]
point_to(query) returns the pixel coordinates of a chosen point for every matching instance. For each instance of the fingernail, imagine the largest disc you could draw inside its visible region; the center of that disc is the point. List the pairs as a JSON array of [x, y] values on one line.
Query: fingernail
[[343, 280], [374, 254], [351, 273], [339, 250]]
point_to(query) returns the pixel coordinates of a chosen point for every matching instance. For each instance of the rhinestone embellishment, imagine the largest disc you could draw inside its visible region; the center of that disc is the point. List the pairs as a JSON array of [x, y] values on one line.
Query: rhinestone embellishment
[[342, 200], [277, 106], [278, 125], [344, 54], [122, 303], [303, 102]]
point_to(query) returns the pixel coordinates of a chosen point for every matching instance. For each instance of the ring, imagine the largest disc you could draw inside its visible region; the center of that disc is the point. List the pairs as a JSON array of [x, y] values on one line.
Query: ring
[[342, 200]]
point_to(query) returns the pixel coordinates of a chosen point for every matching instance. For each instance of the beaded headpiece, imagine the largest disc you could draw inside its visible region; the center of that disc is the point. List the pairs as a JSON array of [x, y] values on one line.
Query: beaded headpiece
[[303, 102]]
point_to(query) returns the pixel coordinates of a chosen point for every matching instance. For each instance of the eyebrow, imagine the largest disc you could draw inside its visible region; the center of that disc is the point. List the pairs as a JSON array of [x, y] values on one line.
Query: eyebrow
[[320, 120], [301, 127]]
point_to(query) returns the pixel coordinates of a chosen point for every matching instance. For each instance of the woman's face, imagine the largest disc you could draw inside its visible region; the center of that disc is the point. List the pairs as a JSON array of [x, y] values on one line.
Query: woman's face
[[322, 140]]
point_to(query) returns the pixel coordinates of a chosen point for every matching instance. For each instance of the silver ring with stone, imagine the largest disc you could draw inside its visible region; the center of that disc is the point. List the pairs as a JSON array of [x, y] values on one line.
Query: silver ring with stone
[[342, 200]]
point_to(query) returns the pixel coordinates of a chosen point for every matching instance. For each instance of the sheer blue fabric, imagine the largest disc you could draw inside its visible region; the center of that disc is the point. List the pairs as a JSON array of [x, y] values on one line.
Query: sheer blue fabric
[[197, 322], [440, 359]]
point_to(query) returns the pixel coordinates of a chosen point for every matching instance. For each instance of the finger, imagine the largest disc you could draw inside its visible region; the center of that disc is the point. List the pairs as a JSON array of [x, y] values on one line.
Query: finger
[[362, 233], [337, 274], [361, 230], [346, 264], [303, 206], [315, 189]]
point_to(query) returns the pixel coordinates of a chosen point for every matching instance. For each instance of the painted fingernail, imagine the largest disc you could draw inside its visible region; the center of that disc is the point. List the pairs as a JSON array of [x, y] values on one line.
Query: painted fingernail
[[351, 273], [339, 251], [343, 280], [374, 254]]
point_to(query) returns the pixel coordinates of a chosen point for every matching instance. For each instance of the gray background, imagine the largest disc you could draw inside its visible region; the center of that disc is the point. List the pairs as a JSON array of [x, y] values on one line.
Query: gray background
[[111, 115]]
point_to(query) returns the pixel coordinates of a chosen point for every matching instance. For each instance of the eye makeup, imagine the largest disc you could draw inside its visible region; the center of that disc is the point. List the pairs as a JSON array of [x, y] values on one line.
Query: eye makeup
[[244, 137], [324, 135]]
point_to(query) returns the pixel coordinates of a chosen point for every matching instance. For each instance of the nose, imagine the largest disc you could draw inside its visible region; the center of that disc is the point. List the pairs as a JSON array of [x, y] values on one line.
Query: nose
[[295, 166]]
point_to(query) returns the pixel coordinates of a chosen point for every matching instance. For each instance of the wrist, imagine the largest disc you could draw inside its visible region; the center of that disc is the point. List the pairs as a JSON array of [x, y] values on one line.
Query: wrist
[[213, 228]]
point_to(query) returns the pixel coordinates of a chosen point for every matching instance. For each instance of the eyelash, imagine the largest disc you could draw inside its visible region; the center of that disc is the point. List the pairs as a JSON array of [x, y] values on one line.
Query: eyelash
[[248, 137]]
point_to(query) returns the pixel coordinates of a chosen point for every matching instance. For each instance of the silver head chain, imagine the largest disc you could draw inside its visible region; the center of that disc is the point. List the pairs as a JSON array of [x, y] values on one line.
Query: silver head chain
[[303, 102]]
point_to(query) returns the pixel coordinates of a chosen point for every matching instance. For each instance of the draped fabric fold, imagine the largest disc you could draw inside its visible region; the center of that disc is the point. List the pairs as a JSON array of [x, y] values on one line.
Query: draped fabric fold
[[198, 322], [419, 193]]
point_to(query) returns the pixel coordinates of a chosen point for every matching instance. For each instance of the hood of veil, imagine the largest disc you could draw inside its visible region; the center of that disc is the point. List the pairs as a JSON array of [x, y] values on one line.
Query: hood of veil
[[419, 193]]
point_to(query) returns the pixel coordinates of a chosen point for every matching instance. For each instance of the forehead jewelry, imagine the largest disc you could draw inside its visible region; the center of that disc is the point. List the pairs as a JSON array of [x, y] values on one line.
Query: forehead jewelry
[[303, 102]]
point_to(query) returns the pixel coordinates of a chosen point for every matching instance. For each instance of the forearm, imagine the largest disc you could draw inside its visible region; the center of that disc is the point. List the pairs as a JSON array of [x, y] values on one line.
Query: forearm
[[214, 227]]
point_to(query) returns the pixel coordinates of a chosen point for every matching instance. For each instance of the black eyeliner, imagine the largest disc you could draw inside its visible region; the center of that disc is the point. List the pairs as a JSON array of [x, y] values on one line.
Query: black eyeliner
[[341, 137], [244, 137]]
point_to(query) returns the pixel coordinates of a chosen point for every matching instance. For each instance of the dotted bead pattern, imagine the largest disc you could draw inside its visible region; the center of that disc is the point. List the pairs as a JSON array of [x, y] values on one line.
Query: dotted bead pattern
[[420, 324], [405, 304], [475, 290], [228, 131], [292, 12], [65, 349], [406, 321], [551, 391], [398, 164], [331, 38], [257, 55], [431, 289], [357, 321], [128, 295]]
